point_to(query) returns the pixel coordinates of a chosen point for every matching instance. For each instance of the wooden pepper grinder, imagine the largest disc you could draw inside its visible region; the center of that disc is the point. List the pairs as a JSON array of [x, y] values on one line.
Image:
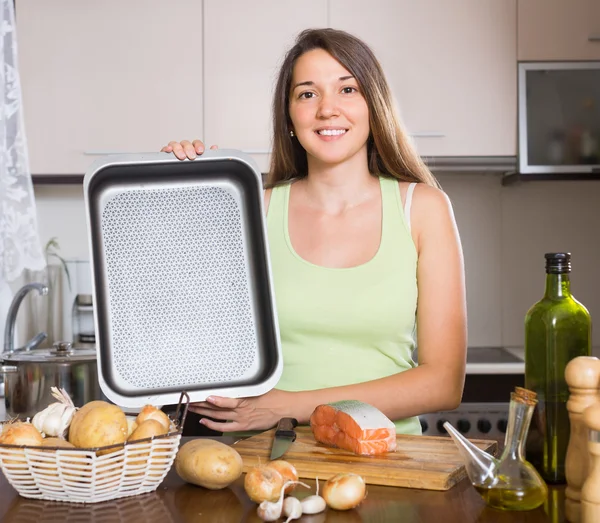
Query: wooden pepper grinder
[[583, 377], [590, 492]]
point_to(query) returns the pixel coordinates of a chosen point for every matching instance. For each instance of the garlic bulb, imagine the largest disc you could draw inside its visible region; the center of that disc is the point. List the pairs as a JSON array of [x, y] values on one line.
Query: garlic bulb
[[55, 419]]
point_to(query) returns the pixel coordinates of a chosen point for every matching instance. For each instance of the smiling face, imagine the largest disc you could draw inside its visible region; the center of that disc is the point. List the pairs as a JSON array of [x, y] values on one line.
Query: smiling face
[[329, 114]]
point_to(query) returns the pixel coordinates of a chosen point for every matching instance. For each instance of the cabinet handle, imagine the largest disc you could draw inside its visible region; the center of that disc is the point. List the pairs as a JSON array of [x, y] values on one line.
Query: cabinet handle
[[257, 151], [594, 38], [427, 134], [104, 153]]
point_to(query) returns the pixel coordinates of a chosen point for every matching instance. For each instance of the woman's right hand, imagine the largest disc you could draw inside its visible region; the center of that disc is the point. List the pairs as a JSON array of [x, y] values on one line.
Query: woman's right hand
[[186, 149]]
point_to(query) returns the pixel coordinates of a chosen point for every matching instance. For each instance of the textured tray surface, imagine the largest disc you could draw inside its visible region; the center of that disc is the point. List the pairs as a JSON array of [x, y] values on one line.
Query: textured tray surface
[[182, 281]]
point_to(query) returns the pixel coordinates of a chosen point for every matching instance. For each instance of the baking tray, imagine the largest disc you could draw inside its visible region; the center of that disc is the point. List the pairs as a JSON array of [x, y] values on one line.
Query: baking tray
[[181, 278]]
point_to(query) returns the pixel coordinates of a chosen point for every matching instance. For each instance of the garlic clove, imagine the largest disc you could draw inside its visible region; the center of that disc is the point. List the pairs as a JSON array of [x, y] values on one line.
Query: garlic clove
[[52, 425], [67, 416], [292, 508], [313, 504], [269, 511], [39, 419]]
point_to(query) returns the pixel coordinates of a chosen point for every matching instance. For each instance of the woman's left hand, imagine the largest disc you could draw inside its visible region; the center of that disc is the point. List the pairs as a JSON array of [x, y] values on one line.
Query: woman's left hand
[[239, 414]]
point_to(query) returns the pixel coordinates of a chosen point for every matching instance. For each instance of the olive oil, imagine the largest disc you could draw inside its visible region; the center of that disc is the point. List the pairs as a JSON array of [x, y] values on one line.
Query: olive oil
[[557, 329], [508, 483], [522, 498]]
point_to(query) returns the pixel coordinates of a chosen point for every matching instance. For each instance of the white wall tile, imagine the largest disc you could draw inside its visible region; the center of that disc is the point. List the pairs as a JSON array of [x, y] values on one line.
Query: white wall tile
[[476, 200], [61, 214], [540, 217]]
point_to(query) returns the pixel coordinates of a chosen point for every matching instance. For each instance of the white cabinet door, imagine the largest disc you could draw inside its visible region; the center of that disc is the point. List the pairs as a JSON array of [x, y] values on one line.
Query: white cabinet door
[[107, 76], [559, 30], [244, 44], [452, 67]]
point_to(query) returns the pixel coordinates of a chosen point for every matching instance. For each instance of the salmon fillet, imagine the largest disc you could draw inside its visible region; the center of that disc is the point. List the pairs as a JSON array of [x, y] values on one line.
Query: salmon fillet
[[355, 426]]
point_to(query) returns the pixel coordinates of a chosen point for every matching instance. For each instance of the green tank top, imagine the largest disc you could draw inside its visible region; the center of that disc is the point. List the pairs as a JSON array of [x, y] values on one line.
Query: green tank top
[[345, 326]]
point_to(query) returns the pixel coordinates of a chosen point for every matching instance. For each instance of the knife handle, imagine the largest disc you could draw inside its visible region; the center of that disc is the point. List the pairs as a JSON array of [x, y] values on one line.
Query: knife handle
[[286, 427]]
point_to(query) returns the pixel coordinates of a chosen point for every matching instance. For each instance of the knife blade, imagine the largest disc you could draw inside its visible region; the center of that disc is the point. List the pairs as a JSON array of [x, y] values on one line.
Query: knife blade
[[285, 435]]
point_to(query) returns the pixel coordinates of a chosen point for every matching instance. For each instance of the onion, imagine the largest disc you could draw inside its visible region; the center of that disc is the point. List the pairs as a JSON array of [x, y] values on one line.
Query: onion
[[344, 491], [147, 429], [151, 412], [287, 470], [263, 483], [21, 433]]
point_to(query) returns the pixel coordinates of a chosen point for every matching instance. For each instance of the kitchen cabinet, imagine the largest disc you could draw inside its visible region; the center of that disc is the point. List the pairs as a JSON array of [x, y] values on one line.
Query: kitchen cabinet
[[559, 30], [451, 65], [107, 76], [241, 54]]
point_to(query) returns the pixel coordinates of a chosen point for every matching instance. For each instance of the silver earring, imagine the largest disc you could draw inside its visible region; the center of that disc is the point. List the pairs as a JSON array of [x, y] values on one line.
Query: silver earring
[[292, 134]]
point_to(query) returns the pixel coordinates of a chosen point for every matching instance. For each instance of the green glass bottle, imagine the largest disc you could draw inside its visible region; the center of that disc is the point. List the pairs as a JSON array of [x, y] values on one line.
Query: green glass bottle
[[557, 329]]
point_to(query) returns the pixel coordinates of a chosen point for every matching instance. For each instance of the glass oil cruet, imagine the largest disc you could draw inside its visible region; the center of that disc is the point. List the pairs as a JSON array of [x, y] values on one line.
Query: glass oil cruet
[[510, 482]]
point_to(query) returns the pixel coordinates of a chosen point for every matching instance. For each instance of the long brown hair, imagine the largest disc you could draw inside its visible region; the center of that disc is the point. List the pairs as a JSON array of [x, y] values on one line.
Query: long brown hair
[[389, 150]]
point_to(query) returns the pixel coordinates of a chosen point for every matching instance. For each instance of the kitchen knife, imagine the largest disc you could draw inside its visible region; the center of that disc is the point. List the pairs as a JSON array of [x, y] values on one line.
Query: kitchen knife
[[285, 435]]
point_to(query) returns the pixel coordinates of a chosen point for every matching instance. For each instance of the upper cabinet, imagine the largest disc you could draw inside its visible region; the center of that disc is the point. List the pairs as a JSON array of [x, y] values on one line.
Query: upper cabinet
[[242, 52], [452, 67], [559, 30], [109, 76]]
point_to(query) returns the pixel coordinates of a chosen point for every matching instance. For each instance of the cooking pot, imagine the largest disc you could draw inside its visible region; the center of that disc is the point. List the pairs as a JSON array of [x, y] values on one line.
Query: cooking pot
[[30, 374]]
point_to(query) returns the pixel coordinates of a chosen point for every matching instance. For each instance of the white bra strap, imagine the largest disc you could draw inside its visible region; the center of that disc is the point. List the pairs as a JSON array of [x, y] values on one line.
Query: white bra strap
[[408, 203]]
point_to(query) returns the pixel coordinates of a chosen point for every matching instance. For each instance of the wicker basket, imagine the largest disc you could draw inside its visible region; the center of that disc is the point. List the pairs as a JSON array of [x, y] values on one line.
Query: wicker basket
[[93, 475], [82, 476]]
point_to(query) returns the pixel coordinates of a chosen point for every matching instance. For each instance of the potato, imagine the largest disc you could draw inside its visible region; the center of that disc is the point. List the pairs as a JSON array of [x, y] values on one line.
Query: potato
[[80, 414], [57, 442], [131, 426], [46, 468], [98, 424], [208, 463]]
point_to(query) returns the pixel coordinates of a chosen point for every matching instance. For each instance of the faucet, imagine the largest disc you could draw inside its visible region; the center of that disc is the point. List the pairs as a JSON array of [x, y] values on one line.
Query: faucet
[[11, 319]]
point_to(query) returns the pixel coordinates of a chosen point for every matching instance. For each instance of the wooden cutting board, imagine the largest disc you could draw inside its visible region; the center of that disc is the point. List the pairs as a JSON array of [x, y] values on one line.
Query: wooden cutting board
[[423, 462]]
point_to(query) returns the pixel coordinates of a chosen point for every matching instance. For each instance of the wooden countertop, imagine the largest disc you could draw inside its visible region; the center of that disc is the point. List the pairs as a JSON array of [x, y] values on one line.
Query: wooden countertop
[[176, 501]]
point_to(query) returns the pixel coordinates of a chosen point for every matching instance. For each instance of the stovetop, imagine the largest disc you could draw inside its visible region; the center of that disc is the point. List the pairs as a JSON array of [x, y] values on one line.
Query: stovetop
[[492, 355], [493, 360]]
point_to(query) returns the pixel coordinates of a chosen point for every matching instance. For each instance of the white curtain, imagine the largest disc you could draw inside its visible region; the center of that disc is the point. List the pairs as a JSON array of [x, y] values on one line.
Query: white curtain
[[20, 246]]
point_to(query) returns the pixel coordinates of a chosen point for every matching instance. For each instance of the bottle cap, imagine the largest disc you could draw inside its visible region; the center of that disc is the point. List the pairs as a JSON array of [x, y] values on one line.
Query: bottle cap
[[558, 262]]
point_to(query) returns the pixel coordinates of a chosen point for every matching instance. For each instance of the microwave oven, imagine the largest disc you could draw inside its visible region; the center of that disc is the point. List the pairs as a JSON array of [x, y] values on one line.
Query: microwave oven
[[559, 117]]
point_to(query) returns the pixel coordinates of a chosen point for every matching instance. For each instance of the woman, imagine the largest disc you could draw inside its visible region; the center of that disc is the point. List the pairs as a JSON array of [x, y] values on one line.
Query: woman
[[358, 230]]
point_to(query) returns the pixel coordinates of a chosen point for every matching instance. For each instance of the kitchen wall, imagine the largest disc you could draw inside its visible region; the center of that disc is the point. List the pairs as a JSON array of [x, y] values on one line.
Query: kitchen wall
[[469, 95], [505, 231]]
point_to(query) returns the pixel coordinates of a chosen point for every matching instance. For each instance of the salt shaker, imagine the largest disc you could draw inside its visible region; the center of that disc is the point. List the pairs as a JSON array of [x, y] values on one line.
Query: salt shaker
[[590, 492], [583, 377]]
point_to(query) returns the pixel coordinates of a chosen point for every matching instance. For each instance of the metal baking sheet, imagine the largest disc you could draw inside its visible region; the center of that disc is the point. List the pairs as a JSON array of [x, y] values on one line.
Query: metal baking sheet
[[181, 278]]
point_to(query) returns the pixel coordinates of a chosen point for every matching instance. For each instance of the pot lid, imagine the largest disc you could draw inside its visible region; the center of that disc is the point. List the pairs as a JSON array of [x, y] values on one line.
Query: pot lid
[[61, 352]]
